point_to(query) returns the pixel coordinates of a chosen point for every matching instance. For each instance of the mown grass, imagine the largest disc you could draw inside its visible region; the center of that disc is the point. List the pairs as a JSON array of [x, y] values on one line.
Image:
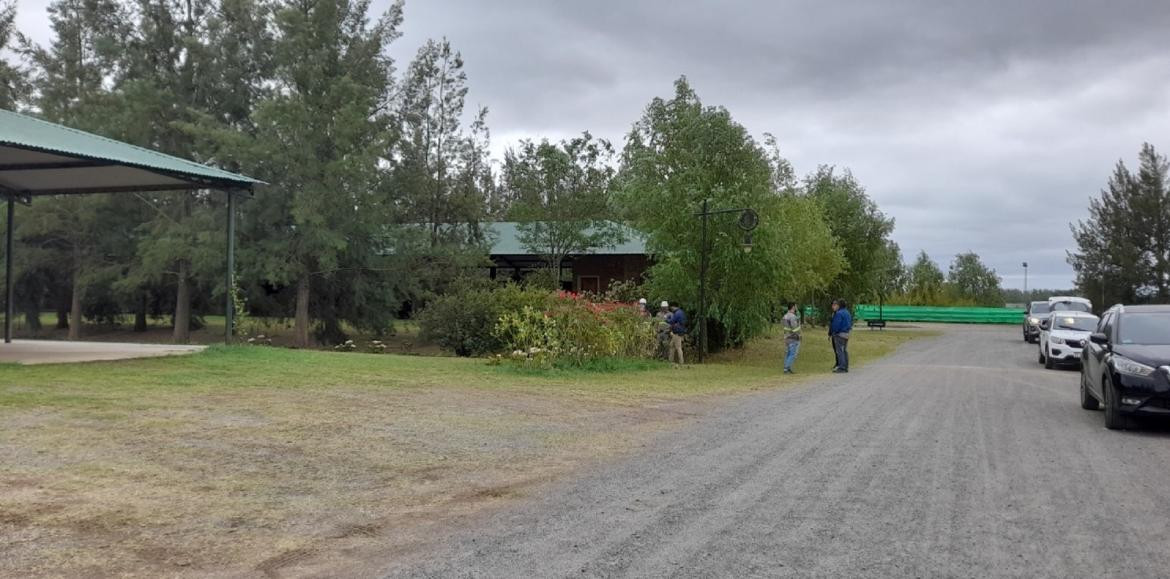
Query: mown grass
[[233, 460]]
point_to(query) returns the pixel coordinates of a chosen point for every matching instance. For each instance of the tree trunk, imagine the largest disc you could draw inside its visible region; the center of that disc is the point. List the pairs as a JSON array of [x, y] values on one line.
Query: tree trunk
[[301, 325], [63, 317], [75, 308], [32, 318], [182, 333], [140, 313]]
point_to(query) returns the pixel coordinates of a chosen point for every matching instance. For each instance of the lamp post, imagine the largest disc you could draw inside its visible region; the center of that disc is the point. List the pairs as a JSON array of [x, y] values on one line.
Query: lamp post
[[748, 220], [1027, 297]]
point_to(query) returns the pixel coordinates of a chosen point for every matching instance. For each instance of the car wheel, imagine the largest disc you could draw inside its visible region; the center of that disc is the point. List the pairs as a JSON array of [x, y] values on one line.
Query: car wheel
[[1114, 419], [1049, 362], [1087, 400], [1041, 360]]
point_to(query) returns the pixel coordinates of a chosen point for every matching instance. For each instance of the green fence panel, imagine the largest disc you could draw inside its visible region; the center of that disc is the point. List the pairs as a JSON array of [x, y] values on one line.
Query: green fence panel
[[940, 314]]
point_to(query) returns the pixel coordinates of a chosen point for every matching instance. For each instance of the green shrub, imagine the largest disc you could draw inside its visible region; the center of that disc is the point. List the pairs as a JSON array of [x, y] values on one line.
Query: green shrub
[[463, 322]]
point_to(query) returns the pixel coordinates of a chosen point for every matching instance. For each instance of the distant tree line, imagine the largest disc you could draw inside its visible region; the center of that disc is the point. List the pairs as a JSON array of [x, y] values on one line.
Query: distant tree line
[[967, 282], [381, 179]]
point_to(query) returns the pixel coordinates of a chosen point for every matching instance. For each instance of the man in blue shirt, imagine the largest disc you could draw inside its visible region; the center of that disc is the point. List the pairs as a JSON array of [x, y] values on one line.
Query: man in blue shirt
[[678, 328], [839, 330]]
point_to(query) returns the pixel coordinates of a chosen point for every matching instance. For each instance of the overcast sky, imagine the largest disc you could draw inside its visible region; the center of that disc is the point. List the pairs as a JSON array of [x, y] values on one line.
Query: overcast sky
[[981, 126]]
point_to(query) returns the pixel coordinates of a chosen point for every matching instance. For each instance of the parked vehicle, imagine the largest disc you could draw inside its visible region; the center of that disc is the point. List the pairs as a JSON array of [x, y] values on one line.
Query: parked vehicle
[[1037, 311], [1063, 335], [1070, 304], [1126, 365]]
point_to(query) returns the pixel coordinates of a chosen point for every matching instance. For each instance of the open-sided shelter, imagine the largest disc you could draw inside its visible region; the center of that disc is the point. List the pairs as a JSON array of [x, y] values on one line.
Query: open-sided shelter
[[39, 158]]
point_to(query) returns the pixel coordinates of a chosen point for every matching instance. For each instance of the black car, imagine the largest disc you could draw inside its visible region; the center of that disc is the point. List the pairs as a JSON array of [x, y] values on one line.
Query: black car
[[1125, 366], [1037, 311]]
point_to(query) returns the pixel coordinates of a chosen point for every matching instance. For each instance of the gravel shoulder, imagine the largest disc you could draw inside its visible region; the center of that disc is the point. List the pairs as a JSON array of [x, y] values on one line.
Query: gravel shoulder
[[957, 457]]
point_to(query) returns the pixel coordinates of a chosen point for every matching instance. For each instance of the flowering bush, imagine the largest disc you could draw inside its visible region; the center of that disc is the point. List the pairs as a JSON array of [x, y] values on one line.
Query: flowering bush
[[537, 328], [574, 330]]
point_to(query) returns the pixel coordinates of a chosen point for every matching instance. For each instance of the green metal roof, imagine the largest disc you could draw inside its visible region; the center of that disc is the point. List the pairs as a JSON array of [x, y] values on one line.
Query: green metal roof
[[39, 157], [505, 236]]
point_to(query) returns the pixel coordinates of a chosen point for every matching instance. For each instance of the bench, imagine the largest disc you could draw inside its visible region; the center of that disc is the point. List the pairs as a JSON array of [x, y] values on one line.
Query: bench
[[879, 324]]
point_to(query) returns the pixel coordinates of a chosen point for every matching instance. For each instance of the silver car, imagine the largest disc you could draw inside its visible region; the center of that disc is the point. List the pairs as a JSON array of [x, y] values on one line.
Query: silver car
[[1037, 311]]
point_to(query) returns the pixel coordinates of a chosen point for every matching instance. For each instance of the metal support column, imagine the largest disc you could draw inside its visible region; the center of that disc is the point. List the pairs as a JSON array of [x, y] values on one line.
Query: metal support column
[[702, 321], [9, 291], [229, 310]]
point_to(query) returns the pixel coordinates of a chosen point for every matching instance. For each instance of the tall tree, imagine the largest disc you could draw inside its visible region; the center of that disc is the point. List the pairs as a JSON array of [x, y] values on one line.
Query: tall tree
[[861, 230], [679, 154], [440, 169], [195, 70], [974, 282], [70, 87], [560, 194], [1123, 248], [14, 85], [323, 135], [926, 283]]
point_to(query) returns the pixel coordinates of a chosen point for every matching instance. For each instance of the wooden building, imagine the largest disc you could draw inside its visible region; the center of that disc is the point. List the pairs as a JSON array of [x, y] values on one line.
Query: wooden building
[[593, 271]]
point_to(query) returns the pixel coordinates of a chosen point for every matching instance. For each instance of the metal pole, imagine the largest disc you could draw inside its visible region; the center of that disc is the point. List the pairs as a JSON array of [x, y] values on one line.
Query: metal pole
[[9, 292], [229, 310], [1026, 296], [703, 289], [1103, 308]]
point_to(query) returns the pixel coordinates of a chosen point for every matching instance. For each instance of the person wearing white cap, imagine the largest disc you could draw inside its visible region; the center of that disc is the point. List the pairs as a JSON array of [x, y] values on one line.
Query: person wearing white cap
[[643, 308], [663, 330]]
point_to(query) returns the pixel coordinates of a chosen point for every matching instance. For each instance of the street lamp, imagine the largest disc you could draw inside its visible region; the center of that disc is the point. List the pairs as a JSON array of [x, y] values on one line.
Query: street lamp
[[748, 220], [1026, 296]]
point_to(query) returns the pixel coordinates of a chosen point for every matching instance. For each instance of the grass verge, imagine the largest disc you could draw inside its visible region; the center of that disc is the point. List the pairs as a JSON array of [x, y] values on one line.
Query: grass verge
[[249, 461]]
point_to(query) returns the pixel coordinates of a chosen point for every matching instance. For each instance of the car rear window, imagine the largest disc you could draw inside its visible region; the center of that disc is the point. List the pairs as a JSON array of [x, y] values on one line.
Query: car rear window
[[1039, 308], [1077, 324], [1144, 329], [1071, 307]]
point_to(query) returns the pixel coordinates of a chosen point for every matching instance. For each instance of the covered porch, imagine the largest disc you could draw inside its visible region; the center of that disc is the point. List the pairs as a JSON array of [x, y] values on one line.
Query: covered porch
[[39, 159]]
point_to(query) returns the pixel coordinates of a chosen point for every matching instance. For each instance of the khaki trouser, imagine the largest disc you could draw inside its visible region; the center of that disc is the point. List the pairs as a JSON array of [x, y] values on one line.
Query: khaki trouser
[[676, 347]]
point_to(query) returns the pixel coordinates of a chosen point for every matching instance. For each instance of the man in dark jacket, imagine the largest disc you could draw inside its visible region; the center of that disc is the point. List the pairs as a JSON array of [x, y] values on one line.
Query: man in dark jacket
[[678, 330], [839, 330]]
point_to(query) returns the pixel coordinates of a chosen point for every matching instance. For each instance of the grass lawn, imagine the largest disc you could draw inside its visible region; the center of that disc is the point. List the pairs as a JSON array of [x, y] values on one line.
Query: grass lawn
[[252, 460]]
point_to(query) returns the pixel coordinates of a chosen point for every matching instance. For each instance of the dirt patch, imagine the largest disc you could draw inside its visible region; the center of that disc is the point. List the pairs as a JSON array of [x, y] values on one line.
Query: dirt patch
[[284, 483]]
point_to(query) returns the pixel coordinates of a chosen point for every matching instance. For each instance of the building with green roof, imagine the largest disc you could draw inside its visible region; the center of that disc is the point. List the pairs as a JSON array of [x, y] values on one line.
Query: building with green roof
[[591, 271]]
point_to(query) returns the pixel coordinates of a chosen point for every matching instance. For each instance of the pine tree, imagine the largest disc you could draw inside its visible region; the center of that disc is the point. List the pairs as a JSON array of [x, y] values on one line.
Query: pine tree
[[14, 85], [69, 87], [323, 136], [441, 173], [1123, 248]]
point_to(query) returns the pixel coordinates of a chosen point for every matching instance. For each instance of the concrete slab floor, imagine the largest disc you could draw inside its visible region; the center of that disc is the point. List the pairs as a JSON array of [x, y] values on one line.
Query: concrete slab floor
[[56, 352]]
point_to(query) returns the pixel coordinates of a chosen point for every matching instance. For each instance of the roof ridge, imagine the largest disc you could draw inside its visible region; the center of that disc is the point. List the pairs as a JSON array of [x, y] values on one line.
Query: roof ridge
[[108, 139], [102, 139]]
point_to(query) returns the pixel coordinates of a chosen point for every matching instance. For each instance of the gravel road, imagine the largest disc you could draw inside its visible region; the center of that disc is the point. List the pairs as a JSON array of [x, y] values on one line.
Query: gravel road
[[959, 456]]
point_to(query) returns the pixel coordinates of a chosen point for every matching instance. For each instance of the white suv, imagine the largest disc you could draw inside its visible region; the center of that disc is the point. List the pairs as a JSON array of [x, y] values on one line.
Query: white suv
[[1063, 334]]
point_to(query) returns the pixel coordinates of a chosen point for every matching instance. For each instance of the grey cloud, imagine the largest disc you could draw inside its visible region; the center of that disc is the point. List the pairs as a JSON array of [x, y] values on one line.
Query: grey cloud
[[979, 126]]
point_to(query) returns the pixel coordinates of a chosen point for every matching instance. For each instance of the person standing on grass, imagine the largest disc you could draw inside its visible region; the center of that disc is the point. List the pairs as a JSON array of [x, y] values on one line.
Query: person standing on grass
[[678, 328], [663, 319], [791, 337], [839, 330]]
